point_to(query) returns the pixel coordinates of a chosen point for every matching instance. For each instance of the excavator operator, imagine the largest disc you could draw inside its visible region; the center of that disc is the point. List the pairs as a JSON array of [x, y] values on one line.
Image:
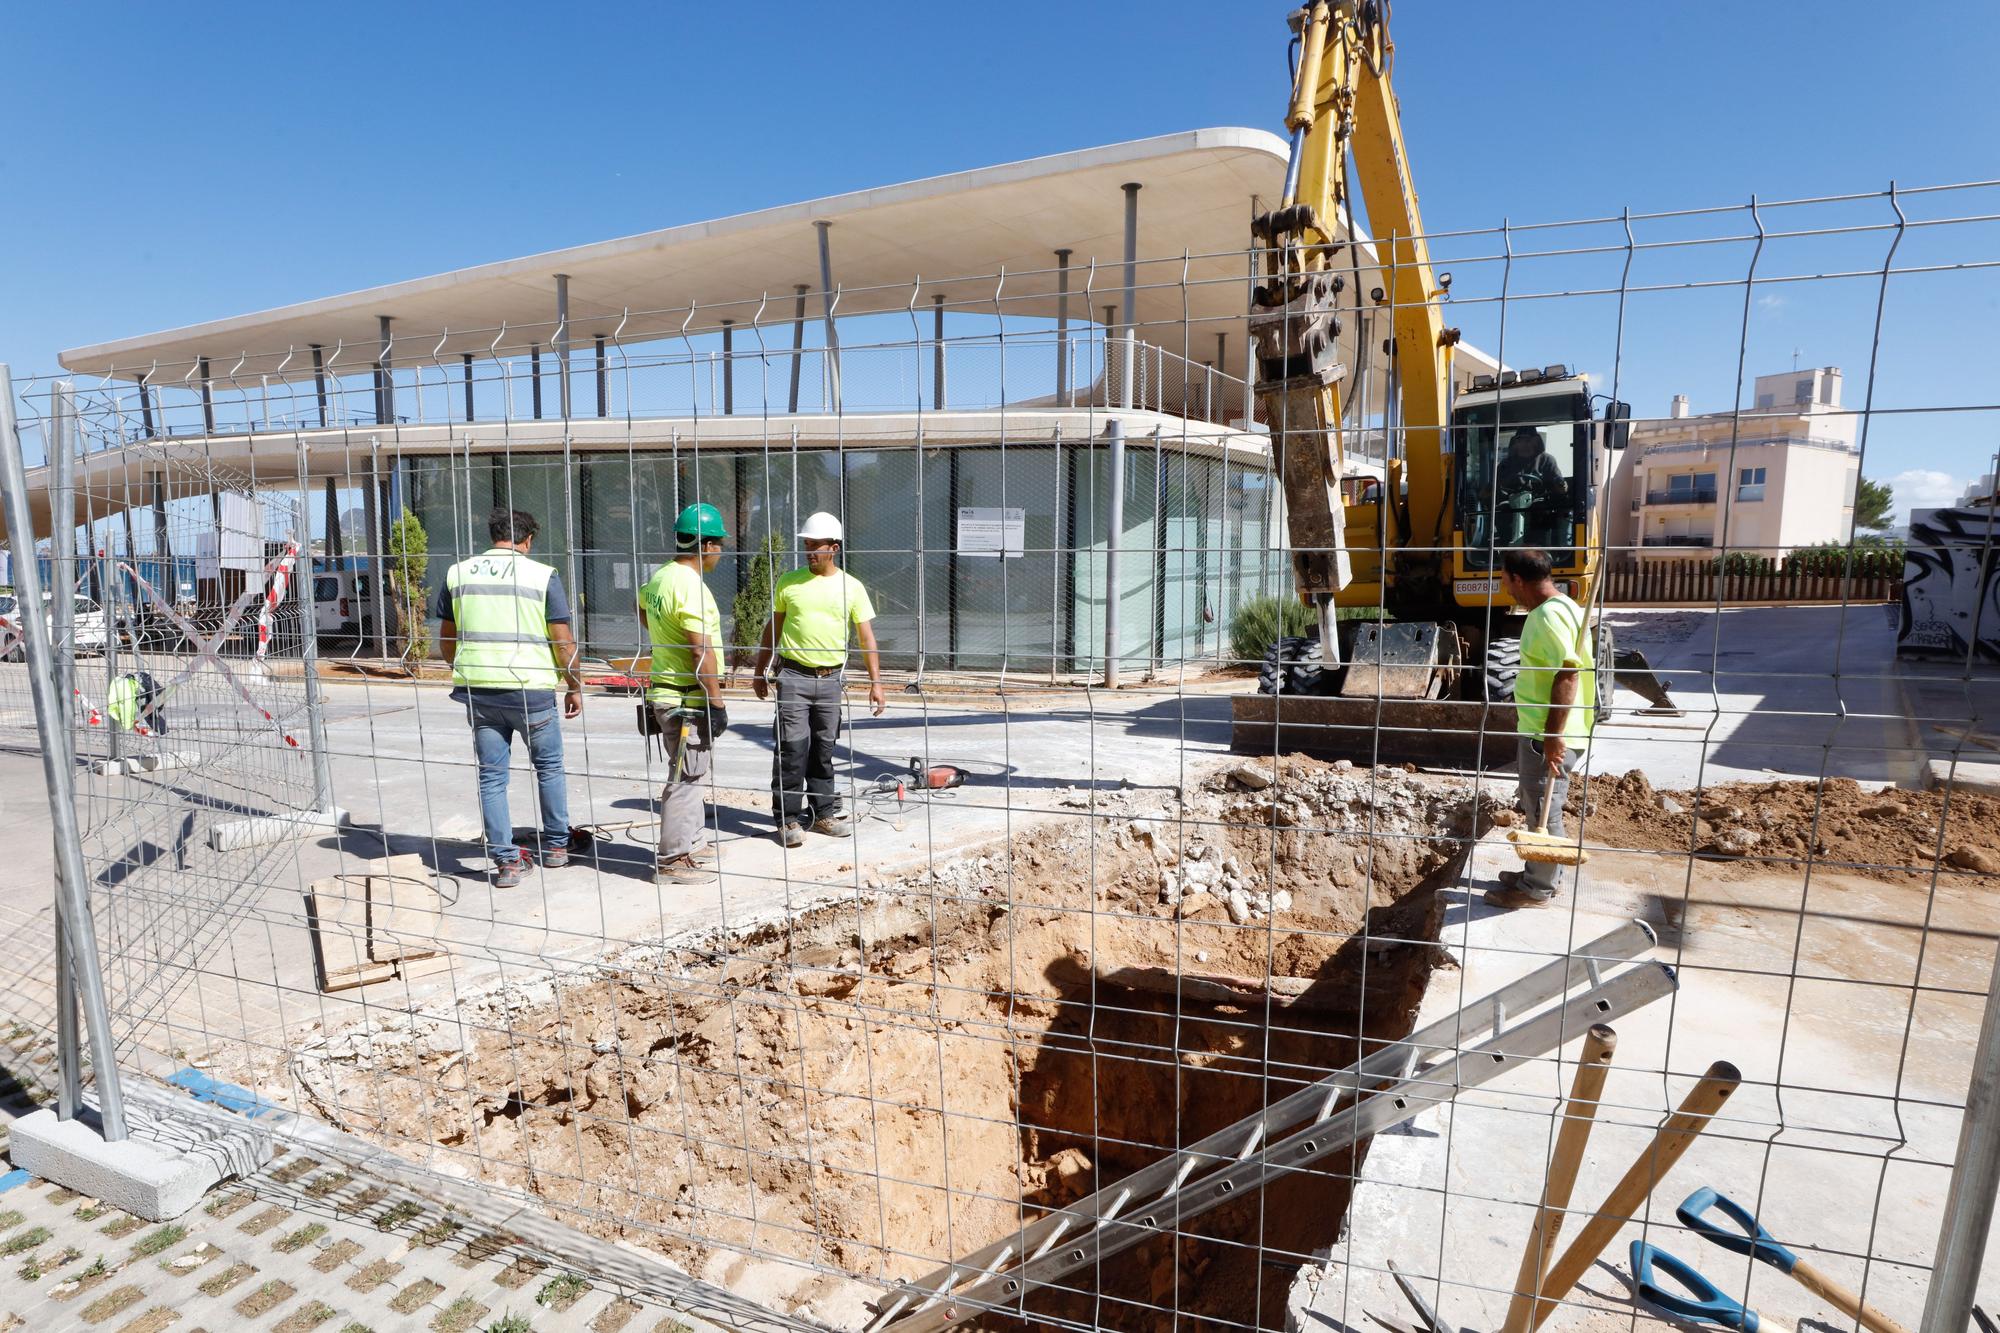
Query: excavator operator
[[1534, 493]]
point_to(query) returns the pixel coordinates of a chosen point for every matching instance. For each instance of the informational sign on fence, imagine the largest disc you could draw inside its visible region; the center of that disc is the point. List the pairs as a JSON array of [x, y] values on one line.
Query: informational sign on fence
[[1001, 533]]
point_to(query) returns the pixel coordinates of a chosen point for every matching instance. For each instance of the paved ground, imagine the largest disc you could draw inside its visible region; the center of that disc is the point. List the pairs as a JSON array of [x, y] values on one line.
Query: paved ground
[[1800, 692]]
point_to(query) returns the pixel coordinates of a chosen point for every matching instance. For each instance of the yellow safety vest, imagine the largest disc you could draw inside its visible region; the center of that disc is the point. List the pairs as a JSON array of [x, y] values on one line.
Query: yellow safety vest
[[500, 603]]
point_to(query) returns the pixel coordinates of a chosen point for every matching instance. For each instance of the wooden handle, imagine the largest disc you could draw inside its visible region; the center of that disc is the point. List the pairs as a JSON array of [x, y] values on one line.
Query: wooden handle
[[1579, 1116], [1843, 1300], [1622, 1204]]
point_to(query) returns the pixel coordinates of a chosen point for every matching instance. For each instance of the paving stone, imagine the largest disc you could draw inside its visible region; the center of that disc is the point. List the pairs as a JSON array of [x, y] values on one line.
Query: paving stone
[[264, 1221], [298, 1240], [111, 1302], [459, 1316], [373, 1276], [415, 1296], [615, 1316], [307, 1317], [227, 1278], [519, 1273], [265, 1298], [336, 1254], [222, 1205], [152, 1321]]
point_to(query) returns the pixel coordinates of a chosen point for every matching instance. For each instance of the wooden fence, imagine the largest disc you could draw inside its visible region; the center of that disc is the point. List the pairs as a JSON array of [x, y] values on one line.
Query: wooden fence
[[1697, 581]]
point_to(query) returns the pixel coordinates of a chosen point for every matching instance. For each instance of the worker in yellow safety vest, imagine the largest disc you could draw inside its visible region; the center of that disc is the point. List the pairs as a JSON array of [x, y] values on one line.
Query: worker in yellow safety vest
[[506, 632], [684, 693]]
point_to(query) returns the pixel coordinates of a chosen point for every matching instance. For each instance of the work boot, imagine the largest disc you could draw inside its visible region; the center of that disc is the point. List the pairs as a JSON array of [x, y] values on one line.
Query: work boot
[[555, 858], [834, 826], [509, 874], [1511, 896], [791, 835], [681, 870]]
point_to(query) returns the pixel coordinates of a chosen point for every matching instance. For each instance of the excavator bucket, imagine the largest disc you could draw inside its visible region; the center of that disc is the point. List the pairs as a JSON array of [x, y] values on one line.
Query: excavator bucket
[[1402, 660], [1633, 672]]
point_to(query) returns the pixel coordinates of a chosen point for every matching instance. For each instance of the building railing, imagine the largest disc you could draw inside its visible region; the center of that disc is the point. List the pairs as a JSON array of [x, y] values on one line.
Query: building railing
[[1704, 495], [1682, 540]]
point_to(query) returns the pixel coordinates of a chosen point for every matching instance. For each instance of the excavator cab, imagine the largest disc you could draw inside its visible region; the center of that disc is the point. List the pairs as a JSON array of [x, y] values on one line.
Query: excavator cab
[[1528, 456]]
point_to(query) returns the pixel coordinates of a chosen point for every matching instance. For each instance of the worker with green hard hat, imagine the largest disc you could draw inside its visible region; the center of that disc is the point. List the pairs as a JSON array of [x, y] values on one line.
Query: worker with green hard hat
[[684, 694]]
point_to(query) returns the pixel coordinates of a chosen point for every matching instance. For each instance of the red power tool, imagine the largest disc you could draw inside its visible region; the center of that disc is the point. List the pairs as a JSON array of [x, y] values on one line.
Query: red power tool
[[936, 777]]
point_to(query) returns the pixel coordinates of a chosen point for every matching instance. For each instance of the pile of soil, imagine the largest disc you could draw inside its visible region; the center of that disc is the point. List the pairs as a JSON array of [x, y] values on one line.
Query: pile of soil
[[1891, 835], [874, 1099]]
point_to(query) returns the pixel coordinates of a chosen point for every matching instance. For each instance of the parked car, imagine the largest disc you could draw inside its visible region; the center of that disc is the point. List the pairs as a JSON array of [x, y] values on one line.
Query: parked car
[[87, 634]]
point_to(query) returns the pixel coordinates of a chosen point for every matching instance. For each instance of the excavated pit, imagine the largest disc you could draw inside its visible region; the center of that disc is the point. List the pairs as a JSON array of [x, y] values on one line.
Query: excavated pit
[[882, 1084]]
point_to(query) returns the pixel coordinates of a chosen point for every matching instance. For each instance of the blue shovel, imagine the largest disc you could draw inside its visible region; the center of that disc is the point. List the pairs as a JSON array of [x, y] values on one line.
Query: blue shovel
[[1704, 1300], [1747, 1237]]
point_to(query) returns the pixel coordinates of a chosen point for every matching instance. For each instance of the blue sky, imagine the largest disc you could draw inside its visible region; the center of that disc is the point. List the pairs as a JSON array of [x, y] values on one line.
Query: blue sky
[[165, 165]]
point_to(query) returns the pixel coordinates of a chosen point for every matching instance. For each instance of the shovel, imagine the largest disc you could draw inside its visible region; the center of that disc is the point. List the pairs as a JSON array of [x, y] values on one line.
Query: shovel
[[1747, 1237]]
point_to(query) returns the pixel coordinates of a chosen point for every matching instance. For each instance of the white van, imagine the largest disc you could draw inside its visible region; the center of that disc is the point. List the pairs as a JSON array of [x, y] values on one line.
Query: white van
[[88, 634]]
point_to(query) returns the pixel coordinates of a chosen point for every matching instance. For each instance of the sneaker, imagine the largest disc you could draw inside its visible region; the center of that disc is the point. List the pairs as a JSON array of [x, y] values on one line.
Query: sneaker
[[792, 835], [834, 826], [681, 870], [1513, 899], [555, 858], [509, 874]]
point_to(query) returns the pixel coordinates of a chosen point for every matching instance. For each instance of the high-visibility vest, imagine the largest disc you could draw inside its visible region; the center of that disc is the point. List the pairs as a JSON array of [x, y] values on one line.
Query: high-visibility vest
[[500, 603]]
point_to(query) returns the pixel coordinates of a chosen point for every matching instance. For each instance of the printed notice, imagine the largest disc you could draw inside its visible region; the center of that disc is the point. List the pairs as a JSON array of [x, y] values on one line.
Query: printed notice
[[1000, 533]]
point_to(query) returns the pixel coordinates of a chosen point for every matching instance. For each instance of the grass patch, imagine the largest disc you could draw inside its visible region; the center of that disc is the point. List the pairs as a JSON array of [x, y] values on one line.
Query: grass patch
[[98, 1268], [562, 1291], [92, 1211], [30, 1239], [397, 1213], [355, 1326], [165, 1238], [301, 1238], [437, 1233], [511, 1323], [11, 1219]]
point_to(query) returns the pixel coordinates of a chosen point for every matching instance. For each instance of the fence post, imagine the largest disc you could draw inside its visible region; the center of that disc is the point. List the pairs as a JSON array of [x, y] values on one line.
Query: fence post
[[1968, 1208], [308, 594], [1114, 531], [76, 933]]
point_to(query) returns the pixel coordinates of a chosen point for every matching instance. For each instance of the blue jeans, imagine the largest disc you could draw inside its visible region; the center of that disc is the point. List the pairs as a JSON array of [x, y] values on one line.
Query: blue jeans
[[494, 726]]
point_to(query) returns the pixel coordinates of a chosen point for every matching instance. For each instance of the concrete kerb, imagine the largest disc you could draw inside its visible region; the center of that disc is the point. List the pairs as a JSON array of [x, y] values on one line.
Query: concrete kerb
[[240, 833], [143, 763], [176, 1152]]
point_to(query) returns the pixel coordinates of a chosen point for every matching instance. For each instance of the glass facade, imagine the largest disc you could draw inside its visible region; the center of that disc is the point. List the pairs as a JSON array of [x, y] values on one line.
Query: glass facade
[[978, 557]]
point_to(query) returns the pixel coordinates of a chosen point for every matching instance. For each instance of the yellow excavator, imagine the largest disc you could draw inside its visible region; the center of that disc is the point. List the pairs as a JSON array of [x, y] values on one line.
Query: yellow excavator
[[1510, 458]]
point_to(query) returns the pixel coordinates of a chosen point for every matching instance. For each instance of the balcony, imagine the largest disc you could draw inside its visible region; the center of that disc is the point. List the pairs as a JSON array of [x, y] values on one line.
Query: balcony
[[1683, 540], [1700, 495]]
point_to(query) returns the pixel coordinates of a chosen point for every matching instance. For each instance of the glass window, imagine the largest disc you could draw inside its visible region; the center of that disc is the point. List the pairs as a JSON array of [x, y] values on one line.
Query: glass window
[[1518, 485], [1750, 483]]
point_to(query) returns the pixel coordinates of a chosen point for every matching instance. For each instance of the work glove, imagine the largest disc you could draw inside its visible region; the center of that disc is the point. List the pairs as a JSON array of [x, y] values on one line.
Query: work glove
[[718, 720]]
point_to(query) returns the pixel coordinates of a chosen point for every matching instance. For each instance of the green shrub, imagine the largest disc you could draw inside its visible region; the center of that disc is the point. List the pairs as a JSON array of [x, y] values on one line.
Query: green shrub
[[409, 559], [752, 606], [1262, 621]]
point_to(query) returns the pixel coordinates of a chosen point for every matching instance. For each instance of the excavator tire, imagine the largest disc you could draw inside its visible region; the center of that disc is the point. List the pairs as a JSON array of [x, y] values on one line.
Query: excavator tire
[[1291, 667], [1503, 666]]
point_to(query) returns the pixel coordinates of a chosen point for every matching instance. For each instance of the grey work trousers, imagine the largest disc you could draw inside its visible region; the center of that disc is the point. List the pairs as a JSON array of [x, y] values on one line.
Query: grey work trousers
[[681, 817], [807, 723], [1539, 878]]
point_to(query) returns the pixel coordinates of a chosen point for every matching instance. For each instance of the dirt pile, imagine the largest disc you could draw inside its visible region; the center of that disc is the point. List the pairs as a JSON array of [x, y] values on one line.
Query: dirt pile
[[1893, 835], [873, 1088]]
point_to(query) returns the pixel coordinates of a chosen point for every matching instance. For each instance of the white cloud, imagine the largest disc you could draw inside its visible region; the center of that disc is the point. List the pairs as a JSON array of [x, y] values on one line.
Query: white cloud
[[1771, 301], [1924, 488]]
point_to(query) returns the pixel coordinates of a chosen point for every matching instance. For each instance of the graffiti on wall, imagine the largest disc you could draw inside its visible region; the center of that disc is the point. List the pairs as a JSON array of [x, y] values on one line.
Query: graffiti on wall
[[1951, 583]]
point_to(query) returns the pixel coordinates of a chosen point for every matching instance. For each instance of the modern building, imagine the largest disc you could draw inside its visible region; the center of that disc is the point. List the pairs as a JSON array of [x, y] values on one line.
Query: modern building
[[951, 364], [1777, 476]]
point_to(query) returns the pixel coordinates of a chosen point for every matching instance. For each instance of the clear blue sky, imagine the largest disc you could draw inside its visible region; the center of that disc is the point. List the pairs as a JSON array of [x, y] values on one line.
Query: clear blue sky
[[166, 164]]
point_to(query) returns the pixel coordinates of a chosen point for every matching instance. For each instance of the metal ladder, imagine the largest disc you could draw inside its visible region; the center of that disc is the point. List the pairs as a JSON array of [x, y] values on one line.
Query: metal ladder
[[1293, 1132]]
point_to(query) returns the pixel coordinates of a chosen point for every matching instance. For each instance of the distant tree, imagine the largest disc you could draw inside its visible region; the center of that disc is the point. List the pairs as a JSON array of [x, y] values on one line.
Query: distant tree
[[1873, 501], [752, 606], [409, 559]]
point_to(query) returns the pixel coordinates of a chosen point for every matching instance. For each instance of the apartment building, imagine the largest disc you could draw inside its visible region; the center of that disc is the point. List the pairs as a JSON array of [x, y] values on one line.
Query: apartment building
[[1780, 476]]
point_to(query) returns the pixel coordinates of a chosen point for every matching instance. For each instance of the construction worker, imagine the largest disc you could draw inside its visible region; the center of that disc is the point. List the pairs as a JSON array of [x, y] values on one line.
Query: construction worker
[[507, 636], [1534, 493], [686, 689], [1555, 709], [811, 610]]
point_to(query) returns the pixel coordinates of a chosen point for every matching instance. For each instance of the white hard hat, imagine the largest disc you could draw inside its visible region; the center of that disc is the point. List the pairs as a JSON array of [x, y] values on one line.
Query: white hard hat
[[821, 527]]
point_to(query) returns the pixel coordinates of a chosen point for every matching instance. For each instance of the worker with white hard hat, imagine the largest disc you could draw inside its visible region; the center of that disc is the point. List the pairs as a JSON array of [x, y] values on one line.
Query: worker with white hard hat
[[811, 612]]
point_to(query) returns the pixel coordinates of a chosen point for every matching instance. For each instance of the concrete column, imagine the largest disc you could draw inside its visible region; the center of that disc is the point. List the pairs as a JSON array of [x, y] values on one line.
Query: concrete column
[[937, 351], [1062, 326], [535, 378], [468, 386], [562, 343], [1131, 294], [832, 335], [319, 380], [207, 397], [1114, 535], [603, 381], [728, 366], [385, 374], [146, 407], [378, 548], [334, 549], [798, 345]]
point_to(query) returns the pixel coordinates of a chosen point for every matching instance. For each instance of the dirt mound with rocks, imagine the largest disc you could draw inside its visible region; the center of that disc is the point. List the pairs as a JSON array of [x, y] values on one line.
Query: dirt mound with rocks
[[875, 1087], [1889, 834]]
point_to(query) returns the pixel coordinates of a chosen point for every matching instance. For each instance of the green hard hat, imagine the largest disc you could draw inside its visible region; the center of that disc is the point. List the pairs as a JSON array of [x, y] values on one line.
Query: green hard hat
[[702, 521]]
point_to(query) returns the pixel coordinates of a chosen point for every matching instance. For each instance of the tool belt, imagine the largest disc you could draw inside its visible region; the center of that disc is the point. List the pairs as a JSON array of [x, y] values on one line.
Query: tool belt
[[793, 664]]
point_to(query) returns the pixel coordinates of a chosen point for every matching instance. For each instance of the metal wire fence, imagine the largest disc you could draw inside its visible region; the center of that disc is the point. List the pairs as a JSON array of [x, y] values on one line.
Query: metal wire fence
[[1135, 1014]]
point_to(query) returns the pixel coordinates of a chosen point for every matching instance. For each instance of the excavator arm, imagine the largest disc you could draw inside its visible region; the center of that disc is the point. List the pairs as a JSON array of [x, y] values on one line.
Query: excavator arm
[[1343, 109]]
